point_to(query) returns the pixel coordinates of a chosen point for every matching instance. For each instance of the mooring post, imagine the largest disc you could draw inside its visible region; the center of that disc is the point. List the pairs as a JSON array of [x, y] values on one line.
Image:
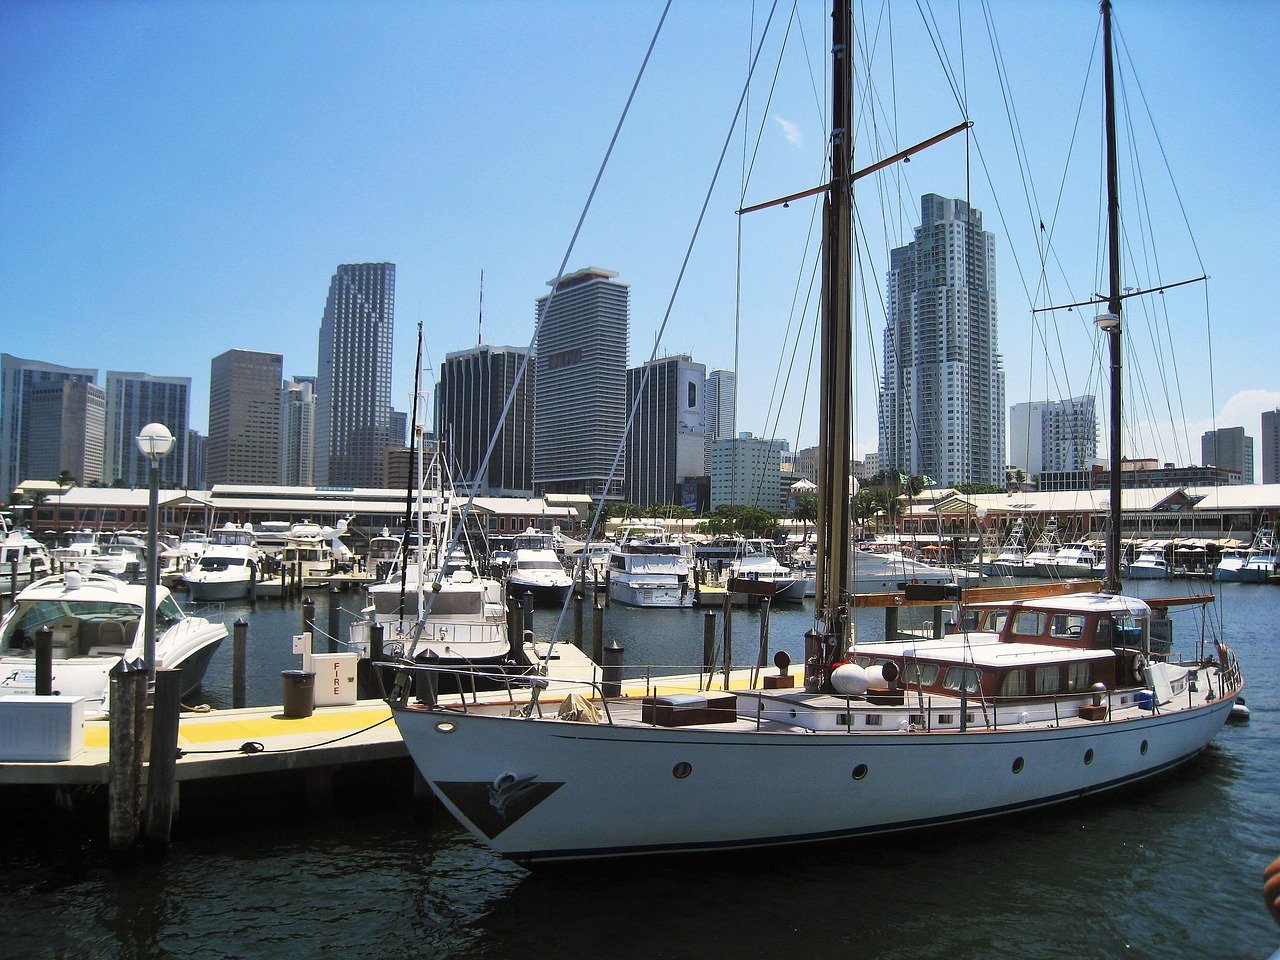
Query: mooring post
[[527, 613], [606, 586], [762, 658], [13, 582], [891, 623], [728, 637], [612, 672], [44, 662], [124, 787], [597, 632], [577, 621], [239, 652], [162, 767], [375, 658], [937, 622], [253, 584], [515, 618], [333, 619], [708, 641], [309, 619]]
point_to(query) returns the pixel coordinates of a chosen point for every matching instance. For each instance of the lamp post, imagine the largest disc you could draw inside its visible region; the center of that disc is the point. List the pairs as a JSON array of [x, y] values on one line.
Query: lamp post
[[155, 441]]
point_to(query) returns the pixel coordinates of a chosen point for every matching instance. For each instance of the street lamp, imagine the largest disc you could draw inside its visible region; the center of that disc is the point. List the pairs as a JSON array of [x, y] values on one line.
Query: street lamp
[[155, 441]]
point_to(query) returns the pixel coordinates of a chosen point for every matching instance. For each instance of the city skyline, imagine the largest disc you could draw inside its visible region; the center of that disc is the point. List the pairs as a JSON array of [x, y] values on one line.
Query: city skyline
[[227, 208]]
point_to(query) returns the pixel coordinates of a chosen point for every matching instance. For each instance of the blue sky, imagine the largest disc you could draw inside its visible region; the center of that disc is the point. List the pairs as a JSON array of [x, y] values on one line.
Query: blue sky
[[181, 178]]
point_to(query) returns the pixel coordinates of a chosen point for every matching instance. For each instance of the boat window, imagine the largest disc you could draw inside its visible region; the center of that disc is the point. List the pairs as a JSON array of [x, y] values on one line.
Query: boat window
[[1028, 623], [1130, 631], [1079, 676], [1068, 625], [996, 620], [167, 614], [961, 678], [540, 565], [1014, 684], [924, 674], [1048, 679]]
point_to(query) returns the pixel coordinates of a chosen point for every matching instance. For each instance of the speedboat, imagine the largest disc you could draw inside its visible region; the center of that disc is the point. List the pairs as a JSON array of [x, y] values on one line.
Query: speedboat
[[97, 620], [536, 569], [757, 562], [229, 567], [1150, 565], [23, 558]]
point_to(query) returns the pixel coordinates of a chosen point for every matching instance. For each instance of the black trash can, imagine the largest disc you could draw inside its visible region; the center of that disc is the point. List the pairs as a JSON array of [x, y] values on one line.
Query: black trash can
[[299, 693]]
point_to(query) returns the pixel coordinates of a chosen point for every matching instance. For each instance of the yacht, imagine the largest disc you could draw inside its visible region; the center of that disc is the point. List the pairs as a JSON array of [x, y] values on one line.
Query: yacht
[[536, 569], [316, 549], [1073, 560], [756, 561], [1012, 558], [1043, 552], [1254, 565], [229, 567], [650, 569], [97, 620], [880, 570], [1150, 565]]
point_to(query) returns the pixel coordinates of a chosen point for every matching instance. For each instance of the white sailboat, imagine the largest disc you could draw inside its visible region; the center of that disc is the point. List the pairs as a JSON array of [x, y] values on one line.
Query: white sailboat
[[1033, 703]]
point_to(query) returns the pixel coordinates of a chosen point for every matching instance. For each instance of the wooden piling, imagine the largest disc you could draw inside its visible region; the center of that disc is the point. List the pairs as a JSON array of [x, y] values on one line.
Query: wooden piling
[[937, 623], [762, 657], [891, 623], [597, 632], [309, 618], [728, 637], [334, 599], [239, 652], [162, 767], [708, 642], [526, 604], [124, 788], [44, 662], [253, 584], [577, 621]]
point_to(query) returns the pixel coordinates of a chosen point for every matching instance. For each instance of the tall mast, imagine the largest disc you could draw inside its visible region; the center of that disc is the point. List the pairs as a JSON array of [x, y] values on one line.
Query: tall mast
[[834, 446], [1110, 321]]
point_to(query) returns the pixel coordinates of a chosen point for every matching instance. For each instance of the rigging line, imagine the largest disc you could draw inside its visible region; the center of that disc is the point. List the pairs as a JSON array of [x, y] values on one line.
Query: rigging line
[[745, 106], [935, 35], [545, 303], [773, 86], [666, 318]]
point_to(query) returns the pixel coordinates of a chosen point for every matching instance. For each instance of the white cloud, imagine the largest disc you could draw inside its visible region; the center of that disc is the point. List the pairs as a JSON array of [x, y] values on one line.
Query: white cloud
[[790, 132]]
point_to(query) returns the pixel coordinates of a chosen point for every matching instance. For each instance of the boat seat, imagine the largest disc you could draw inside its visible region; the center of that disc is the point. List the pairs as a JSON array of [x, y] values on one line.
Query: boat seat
[[111, 633], [107, 651]]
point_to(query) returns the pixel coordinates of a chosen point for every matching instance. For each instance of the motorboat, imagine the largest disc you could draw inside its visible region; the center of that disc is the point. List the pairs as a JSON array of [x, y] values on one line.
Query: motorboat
[[1073, 560], [1042, 553], [23, 558], [1255, 564], [650, 569], [756, 562], [886, 571], [96, 620], [1011, 560], [315, 550], [536, 569], [1150, 565], [1030, 701], [229, 568]]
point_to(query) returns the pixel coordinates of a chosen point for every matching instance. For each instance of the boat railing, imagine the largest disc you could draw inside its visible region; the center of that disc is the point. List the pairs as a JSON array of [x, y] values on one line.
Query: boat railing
[[470, 681]]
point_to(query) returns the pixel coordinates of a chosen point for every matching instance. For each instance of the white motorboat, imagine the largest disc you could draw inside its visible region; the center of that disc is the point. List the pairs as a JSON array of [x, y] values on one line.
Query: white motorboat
[[756, 562], [877, 570], [1073, 560], [1012, 558], [1150, 565], [95, 621], [1253, 565], [1033, 702], [536, 569], [1042, 553], [316, 550], [23, 558], [228, 569], [651, 571]]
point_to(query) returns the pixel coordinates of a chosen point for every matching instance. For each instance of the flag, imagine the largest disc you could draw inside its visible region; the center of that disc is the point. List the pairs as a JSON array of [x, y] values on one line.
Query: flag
[[926, 481], [903, 479]]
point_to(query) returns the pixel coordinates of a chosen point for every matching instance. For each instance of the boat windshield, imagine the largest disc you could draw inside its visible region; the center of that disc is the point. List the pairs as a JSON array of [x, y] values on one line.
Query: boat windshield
[[214, 564], [539, 565], [75, 620]]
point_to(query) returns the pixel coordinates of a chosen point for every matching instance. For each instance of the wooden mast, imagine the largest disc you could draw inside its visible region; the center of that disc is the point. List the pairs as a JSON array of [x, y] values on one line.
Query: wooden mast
[[1110, 321], [834, 445]]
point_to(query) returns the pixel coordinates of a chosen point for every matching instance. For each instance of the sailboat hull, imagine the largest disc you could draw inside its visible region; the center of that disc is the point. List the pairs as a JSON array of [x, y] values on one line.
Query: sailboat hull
[[600, 791]]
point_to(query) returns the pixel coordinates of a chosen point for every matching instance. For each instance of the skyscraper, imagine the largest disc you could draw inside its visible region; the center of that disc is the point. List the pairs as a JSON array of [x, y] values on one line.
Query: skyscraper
[[665, 446], [353, 396], [1053, 434], [721, 385], [580, 402], [298, 432], [18, 378], [473, 388], [942, 411], [133, 401], [62, 431], [1230, 448], [244, 418], [197, 444], [1271, 446]]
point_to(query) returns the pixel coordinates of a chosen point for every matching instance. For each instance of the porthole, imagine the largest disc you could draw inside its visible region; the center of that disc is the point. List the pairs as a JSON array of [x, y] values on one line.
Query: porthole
[[793, 713], [859, 771], [1144, 748], [1088, 756], [682, 770], [445, 727], [1018, 764]]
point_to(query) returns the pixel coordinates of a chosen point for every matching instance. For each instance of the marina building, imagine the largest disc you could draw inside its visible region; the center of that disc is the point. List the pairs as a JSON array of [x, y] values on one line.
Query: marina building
[[747, 471], [298, 432], [19, 378], [469, 400], [353, 392], [665, 446], [580, 404], [1053, 435], [244, 418], [942, 397], [1229, 448], [133, 401], [1271, 446], [721, 403]]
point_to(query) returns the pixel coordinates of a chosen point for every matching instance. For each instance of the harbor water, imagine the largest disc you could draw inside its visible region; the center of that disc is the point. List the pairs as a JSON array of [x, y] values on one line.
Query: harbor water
[[1163, 870]]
